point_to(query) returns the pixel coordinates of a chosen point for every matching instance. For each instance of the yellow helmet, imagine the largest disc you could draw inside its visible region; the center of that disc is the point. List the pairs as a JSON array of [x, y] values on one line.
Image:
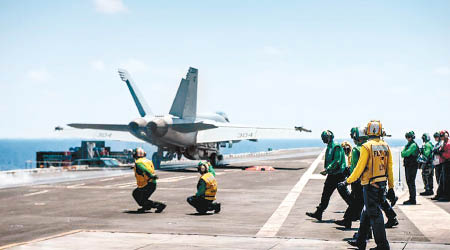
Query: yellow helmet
[[374, 128], [347, 147]]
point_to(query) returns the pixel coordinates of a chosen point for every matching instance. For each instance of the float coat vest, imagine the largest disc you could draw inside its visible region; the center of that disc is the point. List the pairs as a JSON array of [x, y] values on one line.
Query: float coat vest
[[412, 159], [142, 179], [376, 168], [211, 186]]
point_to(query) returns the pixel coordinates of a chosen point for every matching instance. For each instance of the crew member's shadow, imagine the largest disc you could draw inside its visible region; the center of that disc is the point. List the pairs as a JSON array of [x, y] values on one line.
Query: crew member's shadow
[[323, 221], [345, 229], [136, 212], [199, 214]]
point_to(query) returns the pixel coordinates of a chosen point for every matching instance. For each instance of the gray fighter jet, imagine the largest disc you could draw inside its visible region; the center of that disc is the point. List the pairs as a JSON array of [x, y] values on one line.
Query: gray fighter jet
[[183, 131]]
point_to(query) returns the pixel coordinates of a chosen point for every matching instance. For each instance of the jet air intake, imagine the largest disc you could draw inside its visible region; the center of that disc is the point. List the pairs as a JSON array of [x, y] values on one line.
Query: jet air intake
[[158, 127]]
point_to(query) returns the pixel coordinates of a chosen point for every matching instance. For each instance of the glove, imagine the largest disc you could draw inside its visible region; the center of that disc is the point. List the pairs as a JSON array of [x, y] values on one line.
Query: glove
[[323, 172], [391, 197], [390, 194], [155, 177], [342, 184]]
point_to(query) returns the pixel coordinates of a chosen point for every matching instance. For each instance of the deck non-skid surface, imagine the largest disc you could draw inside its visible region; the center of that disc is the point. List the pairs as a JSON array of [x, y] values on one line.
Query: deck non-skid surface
[[104, 211]]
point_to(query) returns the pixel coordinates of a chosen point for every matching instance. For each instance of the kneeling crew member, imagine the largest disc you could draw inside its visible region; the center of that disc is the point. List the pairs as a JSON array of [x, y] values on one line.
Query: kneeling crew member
[[374, 167], [334, 169], [146, 182], [202, 201]]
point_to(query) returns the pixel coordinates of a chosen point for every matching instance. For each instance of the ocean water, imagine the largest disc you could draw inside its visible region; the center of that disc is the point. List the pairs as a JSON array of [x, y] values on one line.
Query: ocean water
[[21, 153]]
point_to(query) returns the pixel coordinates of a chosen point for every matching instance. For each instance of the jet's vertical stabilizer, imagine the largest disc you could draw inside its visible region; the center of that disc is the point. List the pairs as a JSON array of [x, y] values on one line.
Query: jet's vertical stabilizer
[[135, 93], [185, 103]]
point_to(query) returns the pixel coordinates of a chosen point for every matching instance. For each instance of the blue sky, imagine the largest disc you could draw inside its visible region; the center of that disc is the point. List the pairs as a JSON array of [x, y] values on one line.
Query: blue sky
[[321, 64]]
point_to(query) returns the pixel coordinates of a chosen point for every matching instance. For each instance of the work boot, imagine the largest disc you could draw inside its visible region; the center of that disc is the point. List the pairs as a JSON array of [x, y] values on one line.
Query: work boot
[[426, 193], [391, 223], [217, 208], [369, 235], [409, 202], [317, 215], [435, 198], [356, 244], [345, 223], [160, 207], [141, 210]]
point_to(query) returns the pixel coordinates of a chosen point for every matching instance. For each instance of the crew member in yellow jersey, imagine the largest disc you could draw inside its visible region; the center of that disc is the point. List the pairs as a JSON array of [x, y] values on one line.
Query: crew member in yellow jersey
[[146, 182], [374, 168], [203, 200]]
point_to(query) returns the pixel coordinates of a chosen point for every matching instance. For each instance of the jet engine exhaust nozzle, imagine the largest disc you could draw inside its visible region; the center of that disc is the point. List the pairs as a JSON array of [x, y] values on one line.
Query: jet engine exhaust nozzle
[[137, 126], [158, 127]]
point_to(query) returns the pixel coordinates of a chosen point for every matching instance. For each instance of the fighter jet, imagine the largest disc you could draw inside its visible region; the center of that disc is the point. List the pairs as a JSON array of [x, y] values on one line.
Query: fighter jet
[[183, 132]]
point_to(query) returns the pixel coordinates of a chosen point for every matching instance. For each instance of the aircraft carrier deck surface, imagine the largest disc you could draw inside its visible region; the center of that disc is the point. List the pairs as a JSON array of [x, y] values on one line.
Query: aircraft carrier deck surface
[[260, 210]]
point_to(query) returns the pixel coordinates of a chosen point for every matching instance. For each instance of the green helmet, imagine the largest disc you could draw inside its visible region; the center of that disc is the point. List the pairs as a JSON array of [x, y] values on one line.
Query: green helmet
[[410, 134], [426, 137], [436, 135], [327, 136], [358, 134]]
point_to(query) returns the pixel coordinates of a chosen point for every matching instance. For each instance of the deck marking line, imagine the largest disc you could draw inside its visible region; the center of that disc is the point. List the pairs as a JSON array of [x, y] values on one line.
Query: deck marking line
[[35, 193], [108, 179], [76, 185], [274, 223]]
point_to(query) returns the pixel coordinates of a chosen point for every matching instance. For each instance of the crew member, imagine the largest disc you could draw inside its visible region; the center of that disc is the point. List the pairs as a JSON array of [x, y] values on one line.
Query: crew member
[[410, 153], [425, 159], [374, 167], [353, 211], [144, 172], [203, 200], [347, 151], [334, 169], [437, 163], [444, 183]]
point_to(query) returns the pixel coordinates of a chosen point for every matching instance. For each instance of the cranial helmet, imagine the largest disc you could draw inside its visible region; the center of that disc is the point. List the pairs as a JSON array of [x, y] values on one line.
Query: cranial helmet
[[347, 147], [436, 135], [357, 133], [202, 167], [327, 136], [410, 134], [426, 137], [139, 153], [374, 128]]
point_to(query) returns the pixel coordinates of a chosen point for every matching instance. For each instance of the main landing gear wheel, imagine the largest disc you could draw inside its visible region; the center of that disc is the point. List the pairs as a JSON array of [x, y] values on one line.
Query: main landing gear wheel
[[215, 159]]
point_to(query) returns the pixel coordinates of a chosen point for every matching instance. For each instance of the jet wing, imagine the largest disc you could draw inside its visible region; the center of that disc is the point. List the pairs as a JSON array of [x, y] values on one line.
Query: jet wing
[[97, 132], [111, 127], [231, 132]]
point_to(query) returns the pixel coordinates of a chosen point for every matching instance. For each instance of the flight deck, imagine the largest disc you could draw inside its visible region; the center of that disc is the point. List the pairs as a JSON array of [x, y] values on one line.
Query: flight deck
[[260, 210]]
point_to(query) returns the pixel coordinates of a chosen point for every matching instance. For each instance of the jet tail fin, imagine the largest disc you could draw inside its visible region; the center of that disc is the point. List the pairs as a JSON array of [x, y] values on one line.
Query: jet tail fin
[[135, 93], [185, 103]]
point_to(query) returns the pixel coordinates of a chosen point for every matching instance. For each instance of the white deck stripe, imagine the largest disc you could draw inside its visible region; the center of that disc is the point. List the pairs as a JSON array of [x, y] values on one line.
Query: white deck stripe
[[274, 223], [430, 219], [35, 193], [76, 185], [108, 179]]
